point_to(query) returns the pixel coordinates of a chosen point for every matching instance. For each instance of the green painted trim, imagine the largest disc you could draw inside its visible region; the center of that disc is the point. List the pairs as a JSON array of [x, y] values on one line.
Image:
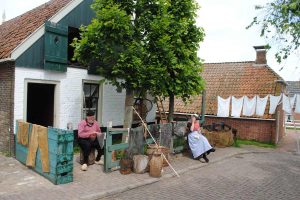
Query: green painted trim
[[116, 147], [54, 59], [57, 29]]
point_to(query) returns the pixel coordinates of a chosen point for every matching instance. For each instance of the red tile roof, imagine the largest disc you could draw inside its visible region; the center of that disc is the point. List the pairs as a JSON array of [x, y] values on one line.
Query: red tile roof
[[16, 30], [230, 79]]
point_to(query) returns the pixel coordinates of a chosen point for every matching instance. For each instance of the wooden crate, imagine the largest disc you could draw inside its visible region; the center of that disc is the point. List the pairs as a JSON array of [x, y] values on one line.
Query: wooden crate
[[60, 146]]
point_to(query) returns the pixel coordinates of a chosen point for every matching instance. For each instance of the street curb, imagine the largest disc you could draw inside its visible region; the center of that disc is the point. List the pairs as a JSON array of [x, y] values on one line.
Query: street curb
[[155, 180]]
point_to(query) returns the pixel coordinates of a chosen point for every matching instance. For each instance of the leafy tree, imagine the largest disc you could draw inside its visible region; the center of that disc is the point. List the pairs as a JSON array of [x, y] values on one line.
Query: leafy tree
[[176, 42], [281, 23], [144, 45]]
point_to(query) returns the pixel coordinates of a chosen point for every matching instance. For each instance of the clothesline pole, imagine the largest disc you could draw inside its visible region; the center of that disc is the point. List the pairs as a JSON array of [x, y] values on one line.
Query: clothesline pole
[[145, 125]]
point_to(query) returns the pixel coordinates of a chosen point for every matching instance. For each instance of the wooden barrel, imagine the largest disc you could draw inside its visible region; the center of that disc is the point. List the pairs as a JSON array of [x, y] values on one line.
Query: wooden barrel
[[156, 164], [166, 151]]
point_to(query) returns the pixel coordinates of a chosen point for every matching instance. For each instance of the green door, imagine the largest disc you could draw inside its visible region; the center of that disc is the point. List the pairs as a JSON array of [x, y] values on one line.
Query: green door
[[56, 47]]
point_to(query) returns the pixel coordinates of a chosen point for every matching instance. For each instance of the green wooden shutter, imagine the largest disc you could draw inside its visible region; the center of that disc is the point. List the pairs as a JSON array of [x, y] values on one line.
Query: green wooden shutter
[[56, 47]]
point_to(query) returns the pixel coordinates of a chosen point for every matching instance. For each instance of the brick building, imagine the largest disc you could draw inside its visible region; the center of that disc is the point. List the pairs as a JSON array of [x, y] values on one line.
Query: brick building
[[293, 88], [39, 82], [237, 79]]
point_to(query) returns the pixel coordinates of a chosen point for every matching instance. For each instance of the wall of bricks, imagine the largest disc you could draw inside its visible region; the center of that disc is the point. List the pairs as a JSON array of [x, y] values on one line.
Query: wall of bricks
[[249, 129], [7, 75]]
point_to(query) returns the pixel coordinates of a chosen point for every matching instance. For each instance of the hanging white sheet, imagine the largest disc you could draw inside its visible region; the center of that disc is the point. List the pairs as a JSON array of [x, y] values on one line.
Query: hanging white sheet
[[274, 101], [223, 107], [236, 106], [288, 103], [261, 104], [297, 108], [249, 106]]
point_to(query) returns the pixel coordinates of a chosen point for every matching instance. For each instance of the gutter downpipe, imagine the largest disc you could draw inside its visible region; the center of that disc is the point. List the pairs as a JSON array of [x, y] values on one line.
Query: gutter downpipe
[[203, 104]]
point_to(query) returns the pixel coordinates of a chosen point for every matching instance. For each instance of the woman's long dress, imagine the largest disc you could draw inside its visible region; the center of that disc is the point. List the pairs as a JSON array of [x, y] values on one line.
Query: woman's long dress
[[198, 143]]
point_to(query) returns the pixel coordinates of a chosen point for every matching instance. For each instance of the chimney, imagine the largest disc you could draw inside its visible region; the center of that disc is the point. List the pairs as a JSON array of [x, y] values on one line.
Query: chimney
[[3, 17], [261, 52]]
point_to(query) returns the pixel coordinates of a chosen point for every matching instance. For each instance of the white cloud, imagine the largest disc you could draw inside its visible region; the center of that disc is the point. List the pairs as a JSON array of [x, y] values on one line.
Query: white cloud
[[228, 40]]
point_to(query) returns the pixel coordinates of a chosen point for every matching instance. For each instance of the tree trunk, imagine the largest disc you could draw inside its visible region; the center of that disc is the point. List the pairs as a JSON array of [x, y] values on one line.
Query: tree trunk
[[128, 112], [171, 107]]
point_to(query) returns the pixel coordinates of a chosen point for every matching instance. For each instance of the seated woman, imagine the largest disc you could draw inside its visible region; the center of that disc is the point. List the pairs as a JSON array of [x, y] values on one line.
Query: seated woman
[[198, 144]]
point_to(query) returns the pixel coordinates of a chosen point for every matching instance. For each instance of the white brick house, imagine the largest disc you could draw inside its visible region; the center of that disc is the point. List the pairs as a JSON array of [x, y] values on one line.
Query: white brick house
[[46, 87]]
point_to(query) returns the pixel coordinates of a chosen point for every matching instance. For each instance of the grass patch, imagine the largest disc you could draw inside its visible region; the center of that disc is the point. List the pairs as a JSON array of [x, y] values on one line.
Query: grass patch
[[255, 143], [76, 149], [6, 154], [292, 128]]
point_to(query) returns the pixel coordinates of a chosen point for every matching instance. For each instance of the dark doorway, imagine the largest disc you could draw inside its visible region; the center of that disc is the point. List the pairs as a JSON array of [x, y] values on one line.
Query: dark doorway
[[40, 104]]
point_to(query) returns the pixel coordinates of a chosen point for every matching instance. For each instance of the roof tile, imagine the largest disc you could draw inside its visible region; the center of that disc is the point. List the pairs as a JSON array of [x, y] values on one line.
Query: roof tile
[[230, 79], [16, 30]]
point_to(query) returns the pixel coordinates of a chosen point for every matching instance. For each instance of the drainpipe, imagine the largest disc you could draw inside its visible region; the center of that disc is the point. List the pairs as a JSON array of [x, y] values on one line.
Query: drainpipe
[[203, 107]]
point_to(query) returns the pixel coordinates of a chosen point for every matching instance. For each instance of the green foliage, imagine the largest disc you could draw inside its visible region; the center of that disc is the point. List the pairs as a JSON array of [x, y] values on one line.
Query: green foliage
[[76, 149], [145, 45], [281, 23]]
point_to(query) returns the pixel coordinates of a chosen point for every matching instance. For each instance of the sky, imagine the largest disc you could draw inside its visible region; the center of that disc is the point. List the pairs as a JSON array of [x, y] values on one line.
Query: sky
[[224, 22]]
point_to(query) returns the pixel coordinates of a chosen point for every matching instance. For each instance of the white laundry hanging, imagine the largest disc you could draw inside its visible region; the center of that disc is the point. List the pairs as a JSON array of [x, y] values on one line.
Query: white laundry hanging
[[297, 108], [223, 107], [249, 106], [274, 101], [236, 106], [288, 103], [261, 104]]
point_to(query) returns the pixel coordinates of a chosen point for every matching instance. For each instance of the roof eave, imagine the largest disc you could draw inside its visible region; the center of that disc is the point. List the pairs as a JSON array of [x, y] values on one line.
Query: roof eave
[[6, 60]]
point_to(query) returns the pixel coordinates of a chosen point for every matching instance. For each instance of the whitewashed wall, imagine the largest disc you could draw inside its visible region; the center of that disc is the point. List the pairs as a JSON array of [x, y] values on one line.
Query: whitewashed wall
[[69, 94]]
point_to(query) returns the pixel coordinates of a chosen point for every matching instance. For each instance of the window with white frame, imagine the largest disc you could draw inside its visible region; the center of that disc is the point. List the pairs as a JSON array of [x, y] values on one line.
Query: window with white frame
[[90, 98]]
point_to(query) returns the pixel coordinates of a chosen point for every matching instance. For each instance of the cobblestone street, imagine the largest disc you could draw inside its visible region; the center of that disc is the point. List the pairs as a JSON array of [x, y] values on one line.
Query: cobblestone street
[[273, 175]]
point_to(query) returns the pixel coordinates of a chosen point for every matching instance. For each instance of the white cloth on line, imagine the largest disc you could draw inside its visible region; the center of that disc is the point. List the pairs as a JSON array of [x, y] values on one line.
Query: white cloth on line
[[261, 104], [274, 101], [223, 107], [249, 106], [288, 103], [297, 108], [236, 106]]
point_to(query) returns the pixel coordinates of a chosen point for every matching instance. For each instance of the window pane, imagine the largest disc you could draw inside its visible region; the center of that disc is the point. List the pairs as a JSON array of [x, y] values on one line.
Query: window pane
[[87, 90], [94, 90]]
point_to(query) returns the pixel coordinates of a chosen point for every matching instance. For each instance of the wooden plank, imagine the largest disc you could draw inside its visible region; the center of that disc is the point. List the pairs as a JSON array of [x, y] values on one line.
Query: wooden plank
[[118, 147]]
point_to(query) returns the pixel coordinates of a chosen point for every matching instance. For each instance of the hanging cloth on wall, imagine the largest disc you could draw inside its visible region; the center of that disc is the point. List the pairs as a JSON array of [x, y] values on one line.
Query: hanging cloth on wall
[[288, 103], [223, 107], [236, 106], [274, 101], [23, 133], [297, 108], [249, 106], [261, 104]]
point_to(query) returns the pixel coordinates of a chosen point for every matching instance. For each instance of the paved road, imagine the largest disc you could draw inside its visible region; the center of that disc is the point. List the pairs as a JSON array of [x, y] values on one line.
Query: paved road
[[273, 175]]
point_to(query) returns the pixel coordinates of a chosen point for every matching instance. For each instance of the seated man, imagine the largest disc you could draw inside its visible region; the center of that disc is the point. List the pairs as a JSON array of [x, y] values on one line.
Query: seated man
[[88, 130]]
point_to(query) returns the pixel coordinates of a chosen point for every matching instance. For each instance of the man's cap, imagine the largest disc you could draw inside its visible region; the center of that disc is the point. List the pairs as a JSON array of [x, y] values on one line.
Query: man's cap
[[90, 113]]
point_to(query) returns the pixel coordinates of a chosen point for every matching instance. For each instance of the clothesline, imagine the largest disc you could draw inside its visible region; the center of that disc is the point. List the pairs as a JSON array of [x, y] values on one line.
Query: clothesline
[[256, 105]]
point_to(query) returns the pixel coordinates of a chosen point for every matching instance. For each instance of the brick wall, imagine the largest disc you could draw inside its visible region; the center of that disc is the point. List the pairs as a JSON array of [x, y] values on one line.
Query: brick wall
[[249, 129], [7, 74]]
